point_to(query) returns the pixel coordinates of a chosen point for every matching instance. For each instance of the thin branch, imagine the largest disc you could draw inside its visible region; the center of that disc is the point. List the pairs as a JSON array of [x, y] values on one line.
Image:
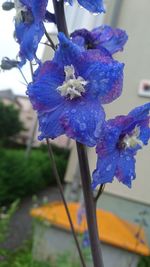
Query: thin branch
[[23, 76], [46, 44], [99, 193], [31, 69], [55, 172], [50, 40]]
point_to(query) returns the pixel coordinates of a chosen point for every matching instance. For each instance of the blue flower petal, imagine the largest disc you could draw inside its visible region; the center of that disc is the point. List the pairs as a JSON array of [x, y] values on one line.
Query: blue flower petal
[[30, 39], [111, 39], [108, 140], [140, 112], [104, 75], [95, 6], [125, 171], [83, 37], [82, 121], [39, 9], [140, 118], [49, 124], [67, 52], [42, 91], [106, 79], [105, 170], [145, 131], [20, 29]]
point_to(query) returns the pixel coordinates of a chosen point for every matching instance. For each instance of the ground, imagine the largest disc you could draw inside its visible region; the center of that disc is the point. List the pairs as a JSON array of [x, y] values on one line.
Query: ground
[[21, 223]]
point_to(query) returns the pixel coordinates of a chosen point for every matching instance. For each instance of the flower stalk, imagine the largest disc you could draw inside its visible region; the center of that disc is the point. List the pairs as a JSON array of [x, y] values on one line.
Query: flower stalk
[[56, 175], [89, 206], [83, 162]]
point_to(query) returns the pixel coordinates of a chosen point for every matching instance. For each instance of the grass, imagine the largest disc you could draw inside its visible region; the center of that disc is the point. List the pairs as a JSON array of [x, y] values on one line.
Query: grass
[[23, 258], [20, 258]]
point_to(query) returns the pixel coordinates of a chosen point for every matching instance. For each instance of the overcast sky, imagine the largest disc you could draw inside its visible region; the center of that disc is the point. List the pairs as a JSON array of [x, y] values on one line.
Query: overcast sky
[[8, 47], [11, 79]]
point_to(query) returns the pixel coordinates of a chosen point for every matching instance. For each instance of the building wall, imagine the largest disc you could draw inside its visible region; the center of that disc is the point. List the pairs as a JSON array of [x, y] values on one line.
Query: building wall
[[133, 16], [28, 117]]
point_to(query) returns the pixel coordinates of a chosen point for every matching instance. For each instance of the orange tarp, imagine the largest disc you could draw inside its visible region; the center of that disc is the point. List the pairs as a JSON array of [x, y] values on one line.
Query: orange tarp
[[112, 229]]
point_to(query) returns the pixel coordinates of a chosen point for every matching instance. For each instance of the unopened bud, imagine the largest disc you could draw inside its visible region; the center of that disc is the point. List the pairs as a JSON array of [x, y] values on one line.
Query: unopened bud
[[8, 5], [8, 64]]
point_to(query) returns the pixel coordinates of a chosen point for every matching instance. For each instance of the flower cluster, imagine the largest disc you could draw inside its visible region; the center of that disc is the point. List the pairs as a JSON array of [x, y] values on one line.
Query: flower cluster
[[69, 91], [119, 142], [29, 27]]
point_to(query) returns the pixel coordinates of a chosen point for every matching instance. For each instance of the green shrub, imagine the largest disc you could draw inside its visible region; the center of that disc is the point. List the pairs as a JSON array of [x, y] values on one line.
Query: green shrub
[[10, 123], [5, 217], [144, 262], [23, 258], [20, 177]]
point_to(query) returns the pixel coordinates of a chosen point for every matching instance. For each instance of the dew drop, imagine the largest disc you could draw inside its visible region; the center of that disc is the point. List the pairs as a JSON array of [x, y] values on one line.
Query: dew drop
[[73, 110], [95, 14], [108, 167], [97, 130], [81, 7], [67, 4], [82, 126]]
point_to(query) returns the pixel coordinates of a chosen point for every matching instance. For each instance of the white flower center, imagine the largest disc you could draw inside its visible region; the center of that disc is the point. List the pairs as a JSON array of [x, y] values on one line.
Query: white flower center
[[19, 9], [130, 141], [72, 86]]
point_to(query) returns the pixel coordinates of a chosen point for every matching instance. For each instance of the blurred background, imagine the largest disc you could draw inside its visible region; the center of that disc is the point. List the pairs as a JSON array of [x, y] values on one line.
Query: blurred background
[[26, 178]]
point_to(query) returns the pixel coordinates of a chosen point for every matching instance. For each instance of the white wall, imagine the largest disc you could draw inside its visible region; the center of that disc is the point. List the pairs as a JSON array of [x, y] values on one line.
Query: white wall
[[135, 19]]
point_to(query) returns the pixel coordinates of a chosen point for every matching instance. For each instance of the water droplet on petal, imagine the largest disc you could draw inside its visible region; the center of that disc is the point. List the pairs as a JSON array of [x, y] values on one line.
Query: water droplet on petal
[[82, 126], [67, 4], [95, 14], [73, 110], [98, 130], [80, 6], [108, 167]]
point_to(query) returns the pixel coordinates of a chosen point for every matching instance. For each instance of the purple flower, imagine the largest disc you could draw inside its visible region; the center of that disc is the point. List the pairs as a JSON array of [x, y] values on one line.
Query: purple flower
[[67, 91], [29, 27], [102, 37], [86, 240], [81, 214], [119, 142], [94, 6]]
